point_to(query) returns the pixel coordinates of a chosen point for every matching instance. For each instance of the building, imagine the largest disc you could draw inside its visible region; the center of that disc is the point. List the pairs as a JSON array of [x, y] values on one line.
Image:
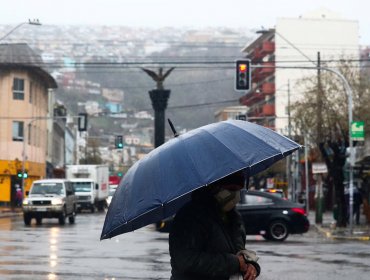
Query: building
[[231, 113], [294, 43], [24, 90]]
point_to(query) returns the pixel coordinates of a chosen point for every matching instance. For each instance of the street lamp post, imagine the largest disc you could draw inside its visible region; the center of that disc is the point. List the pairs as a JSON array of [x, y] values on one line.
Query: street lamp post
[[31, 22]]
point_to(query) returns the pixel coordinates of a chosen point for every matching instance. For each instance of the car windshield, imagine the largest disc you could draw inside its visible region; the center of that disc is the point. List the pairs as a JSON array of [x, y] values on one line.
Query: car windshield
[[82, 186], [47, 188], [257, 200]]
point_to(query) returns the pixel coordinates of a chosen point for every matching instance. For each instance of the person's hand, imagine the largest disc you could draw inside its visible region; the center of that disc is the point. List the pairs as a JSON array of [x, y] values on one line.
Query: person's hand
[[251, 272], [248, 270]]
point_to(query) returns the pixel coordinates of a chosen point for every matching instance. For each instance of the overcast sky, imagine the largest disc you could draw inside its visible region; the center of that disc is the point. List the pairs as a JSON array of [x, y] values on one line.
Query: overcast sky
[[250, 14]]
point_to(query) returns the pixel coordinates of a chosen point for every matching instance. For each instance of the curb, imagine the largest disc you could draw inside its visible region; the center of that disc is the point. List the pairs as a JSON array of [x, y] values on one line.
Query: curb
[[328, 234], [9, 214]]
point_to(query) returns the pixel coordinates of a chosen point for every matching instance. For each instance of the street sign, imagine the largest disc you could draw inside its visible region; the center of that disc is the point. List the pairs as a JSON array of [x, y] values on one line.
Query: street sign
[[241, 117], [319, 168], [82, 122], [357, 131]]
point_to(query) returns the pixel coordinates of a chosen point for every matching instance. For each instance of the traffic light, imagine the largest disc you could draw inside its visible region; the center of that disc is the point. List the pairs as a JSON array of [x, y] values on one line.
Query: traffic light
[[243, 75], [119, 142], [19, 174], [82, 122]]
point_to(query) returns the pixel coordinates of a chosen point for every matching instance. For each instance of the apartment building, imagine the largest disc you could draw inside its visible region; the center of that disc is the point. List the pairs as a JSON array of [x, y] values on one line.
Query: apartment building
[[279, 53], [24, 90]]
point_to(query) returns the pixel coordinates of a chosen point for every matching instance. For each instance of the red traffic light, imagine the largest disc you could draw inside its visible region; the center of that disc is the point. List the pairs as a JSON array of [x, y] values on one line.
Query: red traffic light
[[243, 68]]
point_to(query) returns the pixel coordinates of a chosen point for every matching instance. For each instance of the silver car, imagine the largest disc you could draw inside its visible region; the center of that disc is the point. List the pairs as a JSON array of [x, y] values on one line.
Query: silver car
[[50, 198]]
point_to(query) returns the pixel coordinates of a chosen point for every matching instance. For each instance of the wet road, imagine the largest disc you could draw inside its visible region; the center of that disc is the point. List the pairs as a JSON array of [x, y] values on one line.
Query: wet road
[[51, 251]]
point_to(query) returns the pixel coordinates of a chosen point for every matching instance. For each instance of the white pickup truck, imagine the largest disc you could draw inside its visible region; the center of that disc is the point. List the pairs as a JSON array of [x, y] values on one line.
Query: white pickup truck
[[50, 198]]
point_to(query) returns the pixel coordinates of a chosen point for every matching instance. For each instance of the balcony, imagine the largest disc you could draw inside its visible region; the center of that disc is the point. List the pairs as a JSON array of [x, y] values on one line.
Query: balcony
[[261, 51], [268, 88], [255, 114], [267, 48], [268, 109], [256, 56], [268, 69], [256, 74], [251, 98]]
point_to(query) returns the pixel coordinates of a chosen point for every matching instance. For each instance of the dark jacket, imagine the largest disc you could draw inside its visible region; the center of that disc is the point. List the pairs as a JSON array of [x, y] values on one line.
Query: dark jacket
[[203, 242]]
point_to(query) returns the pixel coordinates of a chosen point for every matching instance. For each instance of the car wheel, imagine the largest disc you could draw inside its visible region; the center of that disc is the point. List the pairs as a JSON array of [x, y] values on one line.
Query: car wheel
[[27, 219], [38, 221], [62, 218], [277, 231]]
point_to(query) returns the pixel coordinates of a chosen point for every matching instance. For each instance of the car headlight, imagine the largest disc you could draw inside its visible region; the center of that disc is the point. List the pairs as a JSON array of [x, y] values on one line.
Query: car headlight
[[57, 201], [26, 202]]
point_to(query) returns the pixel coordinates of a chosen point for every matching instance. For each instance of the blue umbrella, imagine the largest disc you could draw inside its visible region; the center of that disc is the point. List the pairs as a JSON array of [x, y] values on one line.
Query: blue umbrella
[[158, 185]]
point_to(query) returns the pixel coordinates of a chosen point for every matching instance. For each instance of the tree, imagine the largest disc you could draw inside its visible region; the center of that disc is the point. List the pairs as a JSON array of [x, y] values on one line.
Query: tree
[[93, 154], [327, 129]]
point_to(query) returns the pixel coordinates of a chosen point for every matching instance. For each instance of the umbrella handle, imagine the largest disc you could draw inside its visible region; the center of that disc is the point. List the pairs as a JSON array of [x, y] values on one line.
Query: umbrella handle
[[173, 128]]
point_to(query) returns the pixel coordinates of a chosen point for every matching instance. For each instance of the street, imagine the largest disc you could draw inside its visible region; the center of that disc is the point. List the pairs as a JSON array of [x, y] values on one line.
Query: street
[[51, 251]]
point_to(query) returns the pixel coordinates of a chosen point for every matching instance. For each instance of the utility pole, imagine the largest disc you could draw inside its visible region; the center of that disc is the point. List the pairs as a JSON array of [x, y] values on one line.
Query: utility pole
[[159, 98], [319, 194], [288, 162]]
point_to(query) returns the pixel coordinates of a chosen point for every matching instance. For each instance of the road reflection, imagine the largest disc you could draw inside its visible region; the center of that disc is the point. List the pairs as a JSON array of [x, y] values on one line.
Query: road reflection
[[53, 251]]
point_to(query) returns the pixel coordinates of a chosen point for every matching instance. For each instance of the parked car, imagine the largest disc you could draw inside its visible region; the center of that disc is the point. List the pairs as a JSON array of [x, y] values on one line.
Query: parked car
[[50, 198], [265, 214], [271, 216]]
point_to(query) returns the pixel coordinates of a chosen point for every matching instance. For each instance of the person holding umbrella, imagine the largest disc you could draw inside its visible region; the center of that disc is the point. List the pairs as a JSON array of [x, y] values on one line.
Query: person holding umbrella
[[190, 176], [207, 238]]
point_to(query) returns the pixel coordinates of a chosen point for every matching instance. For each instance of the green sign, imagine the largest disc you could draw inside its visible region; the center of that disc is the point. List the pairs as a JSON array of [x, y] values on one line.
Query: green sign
[[357, 131]]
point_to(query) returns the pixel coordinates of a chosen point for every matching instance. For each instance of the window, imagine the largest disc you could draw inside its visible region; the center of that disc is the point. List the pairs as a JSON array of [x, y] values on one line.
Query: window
[[257, 200], [18, 131], [31, 92], [18, 89]]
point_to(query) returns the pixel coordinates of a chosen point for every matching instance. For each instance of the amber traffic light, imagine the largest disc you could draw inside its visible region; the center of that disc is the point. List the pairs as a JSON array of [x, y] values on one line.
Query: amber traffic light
[[243, 75]]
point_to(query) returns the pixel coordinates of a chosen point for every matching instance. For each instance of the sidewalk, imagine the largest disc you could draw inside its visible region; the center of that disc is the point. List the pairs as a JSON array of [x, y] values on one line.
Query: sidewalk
[[8, 212], [328, 228]]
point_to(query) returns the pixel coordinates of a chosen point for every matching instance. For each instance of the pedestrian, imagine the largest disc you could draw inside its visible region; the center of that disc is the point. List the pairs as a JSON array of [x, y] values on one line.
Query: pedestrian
[[357, 201], [207, 238], [18, 197]]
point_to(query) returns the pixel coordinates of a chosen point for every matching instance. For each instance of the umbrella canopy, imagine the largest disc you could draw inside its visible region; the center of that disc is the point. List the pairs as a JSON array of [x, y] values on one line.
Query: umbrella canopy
[[158, 185]]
